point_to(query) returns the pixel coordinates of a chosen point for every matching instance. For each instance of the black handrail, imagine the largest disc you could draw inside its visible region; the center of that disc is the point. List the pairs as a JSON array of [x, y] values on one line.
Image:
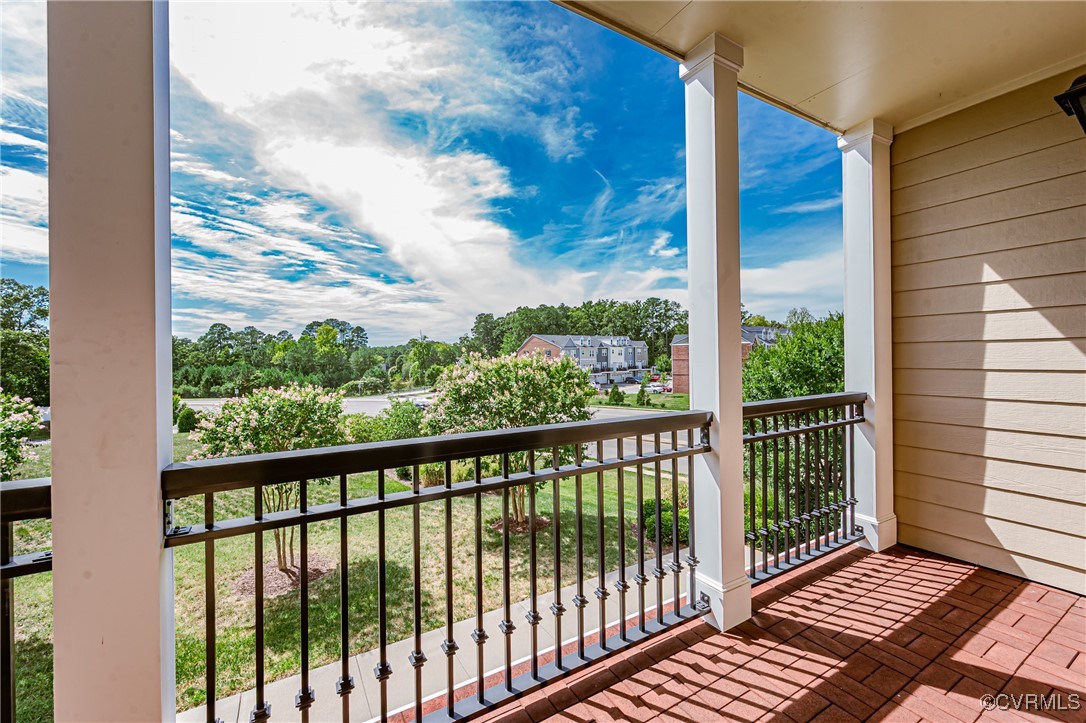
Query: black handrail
[[26, 499], [186, 479], [792, 405]]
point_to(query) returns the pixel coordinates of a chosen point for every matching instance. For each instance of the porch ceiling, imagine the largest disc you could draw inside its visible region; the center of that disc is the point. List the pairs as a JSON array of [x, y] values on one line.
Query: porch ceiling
[[841, 63]]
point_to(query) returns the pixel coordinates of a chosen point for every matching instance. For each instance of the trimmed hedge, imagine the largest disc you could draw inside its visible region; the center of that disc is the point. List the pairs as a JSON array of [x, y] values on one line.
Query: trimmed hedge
[[648, 521]]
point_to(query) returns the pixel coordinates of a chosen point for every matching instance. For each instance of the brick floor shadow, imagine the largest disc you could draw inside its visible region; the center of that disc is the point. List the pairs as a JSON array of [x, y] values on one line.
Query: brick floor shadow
[[902, 635]]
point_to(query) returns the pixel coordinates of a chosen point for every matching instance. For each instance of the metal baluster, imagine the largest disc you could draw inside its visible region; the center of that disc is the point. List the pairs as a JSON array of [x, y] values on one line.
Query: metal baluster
[[449, 646], [601, 542], [752, 503], [532, 616], [557, 609], [658, 571], [262, 709], [807, 478], [763, 531], [787, 518], [691, 558], [479, 635], [417, 658], [640, 579], [579, 600], [209, 609], [506, 625], [621, 586], [305, 696], [820, 473], [836, 476], [7, 611], [675, 566], [776, 529], [383, 670], [798, 517], [345, 684], [856, 410]]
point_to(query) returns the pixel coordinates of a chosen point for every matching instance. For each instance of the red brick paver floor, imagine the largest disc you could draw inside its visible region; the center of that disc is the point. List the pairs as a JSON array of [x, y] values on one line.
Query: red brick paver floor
[[901, 635]]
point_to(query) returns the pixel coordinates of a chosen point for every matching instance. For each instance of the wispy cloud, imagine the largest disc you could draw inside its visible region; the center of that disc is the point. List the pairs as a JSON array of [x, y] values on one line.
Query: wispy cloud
[[406, 166], [823, 204]]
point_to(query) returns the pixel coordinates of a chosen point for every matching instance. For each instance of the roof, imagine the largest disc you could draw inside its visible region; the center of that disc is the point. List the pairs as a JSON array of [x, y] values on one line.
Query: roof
[[750, 334], [569, 341], [842, 63]]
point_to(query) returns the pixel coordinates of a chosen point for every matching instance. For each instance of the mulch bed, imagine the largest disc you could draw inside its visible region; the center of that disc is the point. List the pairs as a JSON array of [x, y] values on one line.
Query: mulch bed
[[519, 528], [278, 582]]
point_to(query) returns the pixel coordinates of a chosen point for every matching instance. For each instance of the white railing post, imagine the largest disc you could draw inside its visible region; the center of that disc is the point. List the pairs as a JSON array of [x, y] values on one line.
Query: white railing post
[[109, 277], [868, 324], [710, 72]]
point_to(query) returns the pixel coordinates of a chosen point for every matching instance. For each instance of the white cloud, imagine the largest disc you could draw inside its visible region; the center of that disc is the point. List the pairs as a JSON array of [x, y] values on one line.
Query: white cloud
[[823, 204], [661, 248], [816, 282], [23, 214], [321, 128]]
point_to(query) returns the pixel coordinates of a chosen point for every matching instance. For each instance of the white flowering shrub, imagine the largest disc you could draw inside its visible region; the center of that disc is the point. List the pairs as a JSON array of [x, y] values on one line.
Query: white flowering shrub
[[506, 392], [18, 419], [273, 420]]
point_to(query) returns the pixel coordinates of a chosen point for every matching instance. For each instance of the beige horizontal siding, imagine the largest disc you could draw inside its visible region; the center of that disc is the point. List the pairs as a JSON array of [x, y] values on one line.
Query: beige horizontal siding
[[1061, 322], [985, 238], [1037, 135], [1055, 354], [988, 274], [1038, 292], [1063, 419], [1005, 265], [991, 445], [1054, 483]]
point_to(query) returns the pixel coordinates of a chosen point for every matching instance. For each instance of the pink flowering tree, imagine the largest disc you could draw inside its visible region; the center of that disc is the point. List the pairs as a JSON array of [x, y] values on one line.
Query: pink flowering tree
[[480, 394], [19, 418], [273, 420]]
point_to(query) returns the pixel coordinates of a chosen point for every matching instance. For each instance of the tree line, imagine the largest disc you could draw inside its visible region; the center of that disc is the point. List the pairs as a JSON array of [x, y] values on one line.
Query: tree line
[[336, 354]]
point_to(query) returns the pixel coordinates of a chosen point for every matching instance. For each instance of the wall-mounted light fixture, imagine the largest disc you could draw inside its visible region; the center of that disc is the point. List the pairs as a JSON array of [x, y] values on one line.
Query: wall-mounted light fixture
[[1071, 100]]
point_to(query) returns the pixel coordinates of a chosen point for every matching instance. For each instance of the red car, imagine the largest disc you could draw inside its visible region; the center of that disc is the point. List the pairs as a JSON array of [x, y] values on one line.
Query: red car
[[654, 378]]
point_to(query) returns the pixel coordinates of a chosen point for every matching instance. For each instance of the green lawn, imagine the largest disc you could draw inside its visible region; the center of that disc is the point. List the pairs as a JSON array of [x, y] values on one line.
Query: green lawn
[[670, 402], [234, 558]]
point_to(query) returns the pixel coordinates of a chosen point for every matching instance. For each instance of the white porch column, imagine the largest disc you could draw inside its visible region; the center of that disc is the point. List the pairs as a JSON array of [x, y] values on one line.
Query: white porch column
[[868, 348], [109, 277], [712, 203]]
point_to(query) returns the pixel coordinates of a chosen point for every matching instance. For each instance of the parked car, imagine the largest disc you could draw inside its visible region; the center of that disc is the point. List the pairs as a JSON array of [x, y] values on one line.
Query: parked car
[[655, 388], [654, 378], [422, 404], [629, 380], [667, 388]]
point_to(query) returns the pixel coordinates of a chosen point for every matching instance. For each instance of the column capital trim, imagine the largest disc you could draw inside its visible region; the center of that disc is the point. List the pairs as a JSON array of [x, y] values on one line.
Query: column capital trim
[[714, 49], [870, 130]]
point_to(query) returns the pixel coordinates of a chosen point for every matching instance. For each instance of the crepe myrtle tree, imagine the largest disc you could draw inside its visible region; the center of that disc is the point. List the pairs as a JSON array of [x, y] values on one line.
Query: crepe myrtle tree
[[273, 420], [504, 392], [19, 418]]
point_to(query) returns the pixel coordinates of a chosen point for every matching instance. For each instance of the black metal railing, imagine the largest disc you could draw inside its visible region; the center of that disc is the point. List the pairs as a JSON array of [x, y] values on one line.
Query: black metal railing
[[20, 500], [800, 479], [522, 461]]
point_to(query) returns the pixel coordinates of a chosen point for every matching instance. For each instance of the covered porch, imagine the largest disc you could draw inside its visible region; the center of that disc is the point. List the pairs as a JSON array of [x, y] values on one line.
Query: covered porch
[[968, 261]]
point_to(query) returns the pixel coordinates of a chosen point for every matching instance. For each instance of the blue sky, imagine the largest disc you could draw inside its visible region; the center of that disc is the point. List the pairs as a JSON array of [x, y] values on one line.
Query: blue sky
[[407, 166]]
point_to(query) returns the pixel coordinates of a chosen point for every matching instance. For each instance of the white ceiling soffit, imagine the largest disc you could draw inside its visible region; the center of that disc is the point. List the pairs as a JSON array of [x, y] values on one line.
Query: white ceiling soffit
[[841, 63]]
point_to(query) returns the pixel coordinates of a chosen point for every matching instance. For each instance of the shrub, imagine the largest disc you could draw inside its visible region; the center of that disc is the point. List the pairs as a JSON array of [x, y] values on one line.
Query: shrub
[[616, 396], [665, 525], [187, 419], [177, 405], [273, 420], [480, 394], [19, 418], [643, 399]]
